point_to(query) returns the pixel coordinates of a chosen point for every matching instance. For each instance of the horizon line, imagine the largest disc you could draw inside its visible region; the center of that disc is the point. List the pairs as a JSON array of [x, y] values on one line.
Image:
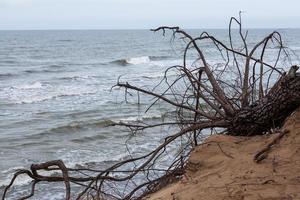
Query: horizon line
[[123, 29]]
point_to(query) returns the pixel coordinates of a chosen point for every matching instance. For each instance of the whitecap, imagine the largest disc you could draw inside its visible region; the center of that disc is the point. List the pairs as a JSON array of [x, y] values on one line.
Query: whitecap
[[130, 119], [138, 118], [34, 85], [152, 116], [138, 60], [133, 61]]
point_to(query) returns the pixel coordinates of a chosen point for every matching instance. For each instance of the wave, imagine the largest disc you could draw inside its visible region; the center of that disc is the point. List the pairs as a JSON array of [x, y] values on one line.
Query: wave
[[55, 66], [73, 127], [159, 57], [49, 70], [82, 158], [35, 85], [84, 125], [139, 118], [8, 61], [132, 61], [138, 60], [37, 99], [6, 76], [65, 40], [87, 139], [81, 77], [22, 180], [39, 92]]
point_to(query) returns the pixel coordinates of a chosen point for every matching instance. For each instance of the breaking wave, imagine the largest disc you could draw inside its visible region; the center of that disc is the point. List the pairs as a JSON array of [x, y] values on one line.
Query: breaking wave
[[138, 60], [34, 85], [39, 92], [80, 125]]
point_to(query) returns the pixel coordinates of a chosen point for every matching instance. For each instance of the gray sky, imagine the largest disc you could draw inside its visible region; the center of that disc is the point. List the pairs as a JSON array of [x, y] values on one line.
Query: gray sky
[[140, 14]]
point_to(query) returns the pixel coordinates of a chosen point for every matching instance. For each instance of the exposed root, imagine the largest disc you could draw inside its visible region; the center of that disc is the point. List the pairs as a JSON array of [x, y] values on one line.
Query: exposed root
[[244, 93], [263, 153]]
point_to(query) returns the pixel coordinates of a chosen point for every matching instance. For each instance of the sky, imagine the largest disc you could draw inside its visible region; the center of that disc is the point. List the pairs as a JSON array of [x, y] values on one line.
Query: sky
[[145, 14]]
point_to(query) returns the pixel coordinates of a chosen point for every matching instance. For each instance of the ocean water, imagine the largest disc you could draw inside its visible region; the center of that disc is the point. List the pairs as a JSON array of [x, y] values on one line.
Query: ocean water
[[56, 95]]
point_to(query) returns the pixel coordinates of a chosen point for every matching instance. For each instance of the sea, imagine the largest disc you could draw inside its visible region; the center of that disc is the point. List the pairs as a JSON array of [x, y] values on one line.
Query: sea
[[57, 98]]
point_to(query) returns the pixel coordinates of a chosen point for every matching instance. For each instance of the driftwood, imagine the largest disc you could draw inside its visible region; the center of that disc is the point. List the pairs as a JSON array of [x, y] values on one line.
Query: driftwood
[[245, 94]]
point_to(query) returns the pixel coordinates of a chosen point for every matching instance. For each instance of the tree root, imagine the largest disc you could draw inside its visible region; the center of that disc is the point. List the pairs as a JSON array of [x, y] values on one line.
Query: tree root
[[263, 153], [241, 95]]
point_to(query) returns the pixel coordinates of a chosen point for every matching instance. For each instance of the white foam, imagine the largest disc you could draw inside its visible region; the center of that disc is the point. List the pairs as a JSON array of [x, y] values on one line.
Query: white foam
[[21, 180], [72, 158], [79, 77], [152, 116], [130, 119], [34, 85], [166, 63], [138, 118], [12, 169], [138, 60], [37, 92]]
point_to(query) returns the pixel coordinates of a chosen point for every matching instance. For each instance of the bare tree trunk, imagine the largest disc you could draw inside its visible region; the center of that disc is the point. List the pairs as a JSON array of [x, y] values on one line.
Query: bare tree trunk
[[271, 110]]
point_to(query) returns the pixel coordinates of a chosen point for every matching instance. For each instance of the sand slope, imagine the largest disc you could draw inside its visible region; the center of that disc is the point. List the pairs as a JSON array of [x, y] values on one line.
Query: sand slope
[[223, 168]]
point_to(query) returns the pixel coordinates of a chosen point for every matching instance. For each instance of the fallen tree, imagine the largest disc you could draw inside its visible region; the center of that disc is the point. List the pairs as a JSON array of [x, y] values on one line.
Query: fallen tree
[[245, 93]]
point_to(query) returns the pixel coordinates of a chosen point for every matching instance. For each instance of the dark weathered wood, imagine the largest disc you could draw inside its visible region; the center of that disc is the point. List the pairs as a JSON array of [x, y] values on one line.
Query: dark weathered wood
[[271, 110]]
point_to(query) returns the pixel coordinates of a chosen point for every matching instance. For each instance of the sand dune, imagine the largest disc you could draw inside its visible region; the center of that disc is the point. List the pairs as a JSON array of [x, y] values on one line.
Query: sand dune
[[223, 168]]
